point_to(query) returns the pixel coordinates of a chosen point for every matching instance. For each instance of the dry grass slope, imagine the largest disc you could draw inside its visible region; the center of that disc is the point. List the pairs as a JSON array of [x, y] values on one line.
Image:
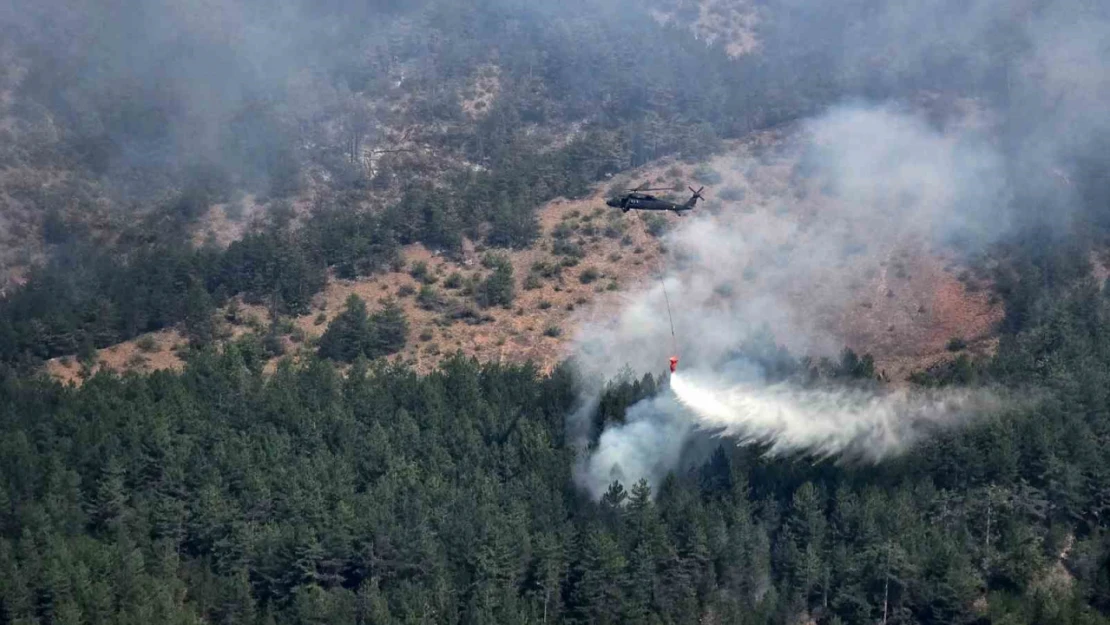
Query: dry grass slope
[[903, 304]]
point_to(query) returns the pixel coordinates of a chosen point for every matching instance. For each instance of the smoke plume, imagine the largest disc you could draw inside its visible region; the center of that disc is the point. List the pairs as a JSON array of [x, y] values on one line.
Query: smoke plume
[[998, 111], [862, 424]]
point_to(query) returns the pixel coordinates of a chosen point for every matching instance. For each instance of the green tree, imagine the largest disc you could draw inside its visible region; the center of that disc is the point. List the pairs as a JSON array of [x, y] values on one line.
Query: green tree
[[599, 577], [513, 226], [348, 335], [200, 327], [110, 498], [499, 288], [390, 330]]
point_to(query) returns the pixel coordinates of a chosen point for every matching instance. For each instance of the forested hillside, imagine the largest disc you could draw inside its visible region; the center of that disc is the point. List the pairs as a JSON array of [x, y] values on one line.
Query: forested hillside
[[312, 214], [223, 495]]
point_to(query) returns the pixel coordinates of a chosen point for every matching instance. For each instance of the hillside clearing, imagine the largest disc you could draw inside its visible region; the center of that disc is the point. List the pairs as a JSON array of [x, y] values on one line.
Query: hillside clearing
[[903, 304]]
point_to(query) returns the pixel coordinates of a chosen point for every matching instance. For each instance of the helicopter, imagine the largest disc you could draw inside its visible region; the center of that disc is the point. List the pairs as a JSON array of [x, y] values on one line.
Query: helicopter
[[638, 200]]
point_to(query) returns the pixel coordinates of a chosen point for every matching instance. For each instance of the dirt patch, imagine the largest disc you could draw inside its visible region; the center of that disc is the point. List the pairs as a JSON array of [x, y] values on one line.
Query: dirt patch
[[477, 98], [915, 306], [727, 22], [146, 353], [228, 222], [535, 328], [894, 297]]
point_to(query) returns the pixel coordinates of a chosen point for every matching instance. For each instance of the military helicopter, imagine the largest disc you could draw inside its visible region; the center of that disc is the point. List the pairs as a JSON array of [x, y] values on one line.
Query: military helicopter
[[638, 200]]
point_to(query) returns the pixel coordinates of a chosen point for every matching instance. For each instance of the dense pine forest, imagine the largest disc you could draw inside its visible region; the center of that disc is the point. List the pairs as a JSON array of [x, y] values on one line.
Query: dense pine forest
[[343, 488], [221, 494]]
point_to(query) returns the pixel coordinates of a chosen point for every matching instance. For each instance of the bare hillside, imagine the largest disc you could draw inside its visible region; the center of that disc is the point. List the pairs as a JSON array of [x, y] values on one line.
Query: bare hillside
[[902, 301], [729, 23]]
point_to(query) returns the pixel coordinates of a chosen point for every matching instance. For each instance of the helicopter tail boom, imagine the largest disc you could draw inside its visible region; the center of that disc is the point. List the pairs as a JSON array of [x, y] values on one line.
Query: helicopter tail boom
[[695, 197]]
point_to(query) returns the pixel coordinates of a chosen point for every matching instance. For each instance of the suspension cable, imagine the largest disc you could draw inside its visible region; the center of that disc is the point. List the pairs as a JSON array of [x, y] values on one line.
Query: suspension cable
[[667, 299]]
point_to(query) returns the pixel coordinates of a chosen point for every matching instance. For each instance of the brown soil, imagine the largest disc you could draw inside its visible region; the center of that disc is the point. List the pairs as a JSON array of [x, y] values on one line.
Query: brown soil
[[127, 356], [218, 228], [906, 304], [730, 22], [906, 322], [477, 99]]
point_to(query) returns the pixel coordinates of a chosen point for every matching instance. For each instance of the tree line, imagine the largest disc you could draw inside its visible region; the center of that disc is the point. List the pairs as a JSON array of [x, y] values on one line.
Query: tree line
[[220, 494]]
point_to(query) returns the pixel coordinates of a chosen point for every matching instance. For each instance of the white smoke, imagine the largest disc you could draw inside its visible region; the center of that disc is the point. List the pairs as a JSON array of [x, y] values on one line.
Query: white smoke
[[853, 422], [815, 233], [848, 423], [648, 445], [874, 178]]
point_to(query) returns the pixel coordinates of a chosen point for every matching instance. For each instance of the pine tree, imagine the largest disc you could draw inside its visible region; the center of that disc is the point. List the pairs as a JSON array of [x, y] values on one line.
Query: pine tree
[[639, 593], [611, 505], [349, 334], [200, 326], [806, 523], [15, 595], [371, 606], [599, 578], [513, 226], [498, 289], [547, 568], [390, 330], [109, 499]]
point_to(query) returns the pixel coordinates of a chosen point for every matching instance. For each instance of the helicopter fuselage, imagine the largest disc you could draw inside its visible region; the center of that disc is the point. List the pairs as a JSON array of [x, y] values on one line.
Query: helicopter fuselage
[[646, 203]]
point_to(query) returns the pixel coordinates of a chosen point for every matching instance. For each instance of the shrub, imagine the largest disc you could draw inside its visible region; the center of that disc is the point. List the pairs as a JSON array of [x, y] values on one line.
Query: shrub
[[428, 298], [588, 275], [656, 225], [420, 272], [956, 344], [147, 344], [273, 345], [471, 284], [566, 247], [547, 270], [498, 288], [553, 331], [561, 231]]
